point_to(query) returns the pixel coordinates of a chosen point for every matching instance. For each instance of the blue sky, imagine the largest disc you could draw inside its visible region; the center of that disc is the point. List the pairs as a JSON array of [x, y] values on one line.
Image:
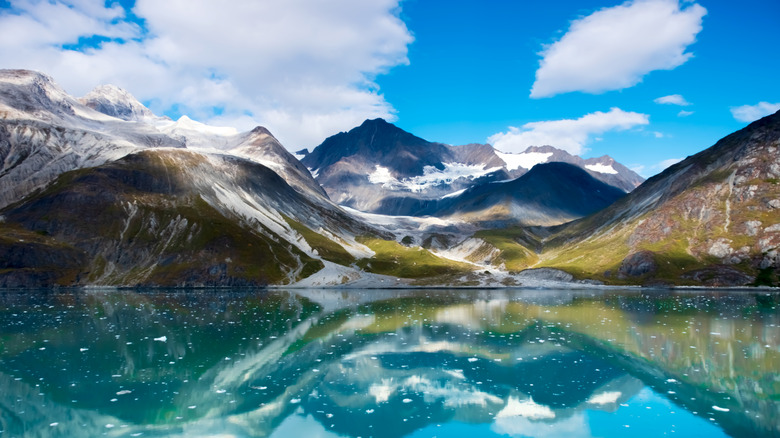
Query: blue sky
[[645, 81]]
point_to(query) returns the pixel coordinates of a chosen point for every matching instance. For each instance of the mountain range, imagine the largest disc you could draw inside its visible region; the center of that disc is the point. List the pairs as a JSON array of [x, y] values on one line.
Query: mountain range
[[100, 191], [380, 168]]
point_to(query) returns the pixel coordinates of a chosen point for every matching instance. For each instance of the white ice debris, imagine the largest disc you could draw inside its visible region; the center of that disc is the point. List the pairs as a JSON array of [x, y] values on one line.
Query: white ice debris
[[161, 339], [605, 398], [602, 168], [527, 408]]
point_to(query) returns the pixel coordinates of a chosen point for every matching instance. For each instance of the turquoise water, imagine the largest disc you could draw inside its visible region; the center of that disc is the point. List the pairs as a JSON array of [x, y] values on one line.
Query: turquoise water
[[390, 363]]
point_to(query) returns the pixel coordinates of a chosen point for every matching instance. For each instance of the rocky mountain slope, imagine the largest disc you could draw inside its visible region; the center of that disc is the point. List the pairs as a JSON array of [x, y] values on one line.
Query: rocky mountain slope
[[380, 168], [178, 217], [100, 191], [712, 219], [93, 199]]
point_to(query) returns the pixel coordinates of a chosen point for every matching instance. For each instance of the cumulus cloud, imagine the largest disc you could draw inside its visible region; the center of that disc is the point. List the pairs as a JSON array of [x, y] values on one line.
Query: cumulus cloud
[[303, 68], [613, 48], [570, 135], [750, 113], [672, 99]]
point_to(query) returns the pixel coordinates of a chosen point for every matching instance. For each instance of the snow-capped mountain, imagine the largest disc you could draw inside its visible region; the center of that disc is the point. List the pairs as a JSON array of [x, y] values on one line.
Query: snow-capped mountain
[[100, 191], [116, 102], [46, 132], [90, 198], [380, 168]]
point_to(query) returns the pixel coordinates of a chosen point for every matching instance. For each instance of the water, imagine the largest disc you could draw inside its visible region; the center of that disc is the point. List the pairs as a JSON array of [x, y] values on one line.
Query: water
[[390, 363]]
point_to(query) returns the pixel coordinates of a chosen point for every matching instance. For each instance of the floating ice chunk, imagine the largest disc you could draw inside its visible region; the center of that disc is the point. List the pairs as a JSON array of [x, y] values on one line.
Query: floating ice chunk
[[161, 339], [605, 398], [407, 400], [473, 359], [718, 408], [83, 349], [123, 392], [295, 401], [526, 408]]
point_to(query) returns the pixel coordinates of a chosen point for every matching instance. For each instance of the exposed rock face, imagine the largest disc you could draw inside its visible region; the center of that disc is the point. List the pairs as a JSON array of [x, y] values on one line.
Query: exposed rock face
[[711, 209], [720, 276], [545, 274], [637, 264]]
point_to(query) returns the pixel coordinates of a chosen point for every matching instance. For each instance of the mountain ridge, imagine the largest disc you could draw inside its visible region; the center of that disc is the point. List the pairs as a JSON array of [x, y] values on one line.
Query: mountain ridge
[[87, 198], [368, 168]]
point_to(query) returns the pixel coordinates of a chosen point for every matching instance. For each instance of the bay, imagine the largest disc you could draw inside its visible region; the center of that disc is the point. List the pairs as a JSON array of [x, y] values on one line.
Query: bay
[[390, 363]]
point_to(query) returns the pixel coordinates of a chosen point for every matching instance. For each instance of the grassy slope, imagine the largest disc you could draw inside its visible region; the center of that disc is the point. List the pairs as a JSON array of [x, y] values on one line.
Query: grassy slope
[[139, 223], [396, 260]]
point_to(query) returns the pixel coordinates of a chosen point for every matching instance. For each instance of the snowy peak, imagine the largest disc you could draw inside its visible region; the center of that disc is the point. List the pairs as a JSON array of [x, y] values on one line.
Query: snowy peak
[[380, 168], [24, 93], [116, 102]]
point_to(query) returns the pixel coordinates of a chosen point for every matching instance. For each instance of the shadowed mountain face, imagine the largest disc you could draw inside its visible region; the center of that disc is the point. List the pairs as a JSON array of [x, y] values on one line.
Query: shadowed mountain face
[[377, 167], [390, 363], [376, 141], [549, 194]]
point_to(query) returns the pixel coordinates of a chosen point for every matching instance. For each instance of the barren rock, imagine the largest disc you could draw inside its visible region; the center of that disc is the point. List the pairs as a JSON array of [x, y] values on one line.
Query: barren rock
[[636, 264], [720, 249]]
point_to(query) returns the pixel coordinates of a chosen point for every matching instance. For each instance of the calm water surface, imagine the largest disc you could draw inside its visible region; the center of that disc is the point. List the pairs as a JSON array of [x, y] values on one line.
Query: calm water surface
[[313, 363]]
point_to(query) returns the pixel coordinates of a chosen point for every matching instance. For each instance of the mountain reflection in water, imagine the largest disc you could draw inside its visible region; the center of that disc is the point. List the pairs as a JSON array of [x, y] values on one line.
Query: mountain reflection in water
[[389, 363]]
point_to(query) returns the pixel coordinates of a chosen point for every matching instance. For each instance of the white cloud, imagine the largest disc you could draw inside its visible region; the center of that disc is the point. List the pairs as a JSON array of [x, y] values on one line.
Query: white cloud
[[672, 99], [613, 48], [750, 113], [684, 113], [302, 68], [570, 135]]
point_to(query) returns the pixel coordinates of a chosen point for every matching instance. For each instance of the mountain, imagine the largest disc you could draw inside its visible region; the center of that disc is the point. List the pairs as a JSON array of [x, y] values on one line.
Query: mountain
[[168, 217], [712, 219], [116, 102], [45, 132], [90, 198], [549, 194], [380, 168]]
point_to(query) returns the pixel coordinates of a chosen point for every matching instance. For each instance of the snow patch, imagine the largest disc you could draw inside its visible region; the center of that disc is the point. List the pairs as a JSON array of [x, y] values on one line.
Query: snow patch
[[454, 194], [526, 160], [602, 168], [431, 176]]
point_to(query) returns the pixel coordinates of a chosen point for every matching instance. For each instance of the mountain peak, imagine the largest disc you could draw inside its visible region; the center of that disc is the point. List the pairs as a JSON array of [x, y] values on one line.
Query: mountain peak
[[32, 92], [376, 121], [116, 102]]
